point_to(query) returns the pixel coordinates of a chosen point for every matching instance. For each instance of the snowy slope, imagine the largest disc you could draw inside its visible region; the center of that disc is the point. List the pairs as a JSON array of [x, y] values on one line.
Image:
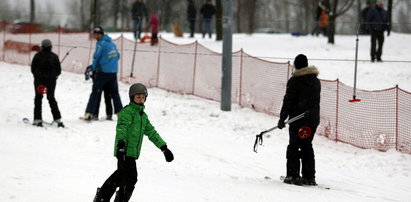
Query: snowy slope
[[214, 160]]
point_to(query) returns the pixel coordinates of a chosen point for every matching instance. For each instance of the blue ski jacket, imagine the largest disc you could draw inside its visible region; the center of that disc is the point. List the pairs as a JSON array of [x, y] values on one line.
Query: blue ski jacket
[[106, 56]]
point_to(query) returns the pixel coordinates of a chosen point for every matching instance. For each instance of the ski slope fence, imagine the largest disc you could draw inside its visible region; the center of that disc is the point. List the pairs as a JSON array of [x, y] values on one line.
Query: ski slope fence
[[379, 121]]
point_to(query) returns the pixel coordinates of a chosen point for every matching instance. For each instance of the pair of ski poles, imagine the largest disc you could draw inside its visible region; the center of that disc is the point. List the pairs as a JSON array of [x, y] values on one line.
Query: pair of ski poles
[[259, 137]]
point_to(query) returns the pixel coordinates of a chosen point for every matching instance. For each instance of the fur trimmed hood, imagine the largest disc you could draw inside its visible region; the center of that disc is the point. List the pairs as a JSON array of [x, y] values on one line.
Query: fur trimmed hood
[[306, 71]]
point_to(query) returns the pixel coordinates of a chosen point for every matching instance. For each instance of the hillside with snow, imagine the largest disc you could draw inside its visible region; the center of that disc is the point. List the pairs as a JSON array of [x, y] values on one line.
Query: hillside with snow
[[214, 159]]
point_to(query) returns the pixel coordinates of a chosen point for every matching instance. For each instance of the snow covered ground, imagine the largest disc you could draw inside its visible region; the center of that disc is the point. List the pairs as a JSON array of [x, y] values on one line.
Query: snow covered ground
[[214, 160]]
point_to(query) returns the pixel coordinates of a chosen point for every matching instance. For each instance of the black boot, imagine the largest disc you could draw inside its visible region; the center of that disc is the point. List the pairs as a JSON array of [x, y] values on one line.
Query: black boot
[[309, 181], [293, 180]]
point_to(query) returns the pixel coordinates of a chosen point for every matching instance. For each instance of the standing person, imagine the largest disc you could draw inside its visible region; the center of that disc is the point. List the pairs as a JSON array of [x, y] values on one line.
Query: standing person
[[302, 94], [191, 16], [138, 13], [377, 21], [107, 97], [45, 68], [319, 18], [207, 10], [105, 64], [132, 125], [153, 24]]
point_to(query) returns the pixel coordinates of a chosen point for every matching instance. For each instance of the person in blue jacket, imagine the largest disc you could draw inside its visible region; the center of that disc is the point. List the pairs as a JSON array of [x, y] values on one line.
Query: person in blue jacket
[[105, 66]]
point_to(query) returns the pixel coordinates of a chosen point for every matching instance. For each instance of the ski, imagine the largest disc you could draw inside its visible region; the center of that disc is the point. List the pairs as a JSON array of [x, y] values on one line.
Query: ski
[[45, 123], [318, 185]]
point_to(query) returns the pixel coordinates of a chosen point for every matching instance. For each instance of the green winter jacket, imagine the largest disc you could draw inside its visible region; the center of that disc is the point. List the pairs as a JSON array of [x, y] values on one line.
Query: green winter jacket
[[132, 125]]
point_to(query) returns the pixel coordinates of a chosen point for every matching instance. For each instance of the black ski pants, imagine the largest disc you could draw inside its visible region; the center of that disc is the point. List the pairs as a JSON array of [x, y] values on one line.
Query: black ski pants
[[104, 81], [125, 177], [50, 83], [377, 38], [299, 148], [107, 101]]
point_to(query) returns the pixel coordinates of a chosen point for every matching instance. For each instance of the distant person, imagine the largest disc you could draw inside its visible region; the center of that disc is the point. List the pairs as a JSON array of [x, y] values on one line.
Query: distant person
[[364, 23], [153, 24], [138, 13], [105, 64], [377, 21], [321, 20], [207, 10], [46, 68], [191, 16], [132, 125], [302, 94]]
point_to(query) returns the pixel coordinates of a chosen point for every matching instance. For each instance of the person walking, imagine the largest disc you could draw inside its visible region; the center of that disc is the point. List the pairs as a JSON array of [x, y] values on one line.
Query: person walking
[[46, 68], [191, 17], [302, 95], [105, 64], [377, 21], [207, 10], [132, 125], [138, 13]]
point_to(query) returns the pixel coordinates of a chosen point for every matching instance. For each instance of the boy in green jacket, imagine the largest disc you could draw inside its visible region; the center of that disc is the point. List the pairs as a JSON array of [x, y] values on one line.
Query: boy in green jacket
[[132, 125]]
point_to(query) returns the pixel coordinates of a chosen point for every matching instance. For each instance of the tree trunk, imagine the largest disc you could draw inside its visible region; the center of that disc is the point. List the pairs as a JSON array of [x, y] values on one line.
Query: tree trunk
[[116, 5], [238, 15], [331, 21], [251, 5], [389, 16], [218, 20], [32, 11]]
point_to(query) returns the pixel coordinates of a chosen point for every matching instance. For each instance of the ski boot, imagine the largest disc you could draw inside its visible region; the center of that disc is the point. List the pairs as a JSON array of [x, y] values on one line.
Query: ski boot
[[38, 122], [97, 198], [293, 180], [308, 181], [59, 123]]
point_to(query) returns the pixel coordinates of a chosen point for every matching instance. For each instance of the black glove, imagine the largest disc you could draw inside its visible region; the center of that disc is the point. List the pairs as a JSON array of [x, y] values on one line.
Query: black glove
[[121, 150], [281, 124], [167, 153]]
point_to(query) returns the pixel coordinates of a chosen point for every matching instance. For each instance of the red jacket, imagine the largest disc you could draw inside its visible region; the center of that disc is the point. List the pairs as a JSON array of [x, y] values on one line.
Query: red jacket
[[153, 24]]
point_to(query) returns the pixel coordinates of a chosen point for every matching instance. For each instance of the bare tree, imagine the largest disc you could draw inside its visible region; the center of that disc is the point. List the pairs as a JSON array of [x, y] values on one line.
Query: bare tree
[[336, 9], [32, 11]]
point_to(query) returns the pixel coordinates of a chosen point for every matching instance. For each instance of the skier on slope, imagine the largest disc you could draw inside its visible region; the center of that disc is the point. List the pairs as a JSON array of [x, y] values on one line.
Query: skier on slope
[[132, 125], [302, 94], [45, 68]]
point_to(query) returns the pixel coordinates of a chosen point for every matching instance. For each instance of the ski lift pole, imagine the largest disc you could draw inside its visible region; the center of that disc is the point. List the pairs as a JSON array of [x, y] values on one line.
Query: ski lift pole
[[135, 46], [354, 99], [68, 52], [259, 137]]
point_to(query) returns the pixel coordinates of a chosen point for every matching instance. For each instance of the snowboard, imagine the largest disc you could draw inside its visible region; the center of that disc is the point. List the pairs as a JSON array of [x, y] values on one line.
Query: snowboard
[[316, 186]]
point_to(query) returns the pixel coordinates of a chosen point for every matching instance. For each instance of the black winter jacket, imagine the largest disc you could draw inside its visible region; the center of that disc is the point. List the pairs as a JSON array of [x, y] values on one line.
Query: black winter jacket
[[302, 94], [139, 11], [207, 10], [45, 64]]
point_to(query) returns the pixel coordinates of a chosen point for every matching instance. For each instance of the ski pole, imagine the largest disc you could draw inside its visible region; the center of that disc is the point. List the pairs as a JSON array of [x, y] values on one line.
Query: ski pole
[[259, 137], [68, 52], [135, 46], [354, 99]]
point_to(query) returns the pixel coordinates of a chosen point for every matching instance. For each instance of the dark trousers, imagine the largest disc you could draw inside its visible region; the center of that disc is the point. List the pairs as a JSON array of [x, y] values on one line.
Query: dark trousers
[[192, 27], [377, 38], [104, 81], [137, 27], [206, 27], [299, 148], [124, 177], [50, 83], [107, 101]]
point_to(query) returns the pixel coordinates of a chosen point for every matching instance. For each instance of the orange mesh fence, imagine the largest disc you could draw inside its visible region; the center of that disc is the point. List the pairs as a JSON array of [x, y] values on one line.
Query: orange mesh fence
[[379, 121]]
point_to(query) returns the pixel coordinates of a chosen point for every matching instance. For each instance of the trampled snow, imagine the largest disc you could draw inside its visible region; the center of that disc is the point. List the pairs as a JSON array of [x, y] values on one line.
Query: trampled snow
[[214, 159]]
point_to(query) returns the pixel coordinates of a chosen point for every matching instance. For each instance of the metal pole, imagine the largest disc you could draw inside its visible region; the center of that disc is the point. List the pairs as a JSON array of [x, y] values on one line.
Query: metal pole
[[227, 55], [354, 99]]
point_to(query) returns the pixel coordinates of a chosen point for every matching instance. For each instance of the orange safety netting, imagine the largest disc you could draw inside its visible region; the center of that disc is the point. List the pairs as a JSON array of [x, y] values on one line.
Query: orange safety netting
[[379, 121]]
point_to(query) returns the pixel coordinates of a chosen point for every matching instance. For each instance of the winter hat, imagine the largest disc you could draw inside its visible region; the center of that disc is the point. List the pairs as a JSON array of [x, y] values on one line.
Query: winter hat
[[137, 88], [300, 61], [46, 43], [98, 30]]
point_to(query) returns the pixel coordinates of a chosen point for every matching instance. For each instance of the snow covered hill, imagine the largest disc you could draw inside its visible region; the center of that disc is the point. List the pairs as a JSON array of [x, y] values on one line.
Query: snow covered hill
[[214, 160]]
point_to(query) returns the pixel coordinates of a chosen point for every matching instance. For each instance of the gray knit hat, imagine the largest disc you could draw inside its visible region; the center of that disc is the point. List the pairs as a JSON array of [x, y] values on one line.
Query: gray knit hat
[[137, 88], [46, 43]]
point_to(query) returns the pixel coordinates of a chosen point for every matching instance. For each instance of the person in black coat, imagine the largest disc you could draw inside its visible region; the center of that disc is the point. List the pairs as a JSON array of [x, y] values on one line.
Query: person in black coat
[[377, 22], [207, 10], [191, 16], [138, 13], [302, 94], [45, 68]]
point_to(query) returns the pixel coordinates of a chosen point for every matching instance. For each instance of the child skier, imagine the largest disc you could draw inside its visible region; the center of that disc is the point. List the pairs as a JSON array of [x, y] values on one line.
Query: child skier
[[132, 125], [153, 24]]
